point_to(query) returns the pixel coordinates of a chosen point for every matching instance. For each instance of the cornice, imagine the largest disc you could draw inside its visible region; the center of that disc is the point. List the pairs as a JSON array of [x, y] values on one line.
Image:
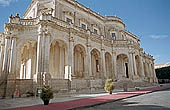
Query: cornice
[[30, 6], [129, 33]]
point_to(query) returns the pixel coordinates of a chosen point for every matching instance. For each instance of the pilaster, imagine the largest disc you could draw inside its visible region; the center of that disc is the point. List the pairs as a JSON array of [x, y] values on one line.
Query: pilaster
[[134, 65], [114, 65], [131, 70], [43, 48], [103, 58], [141, 67], [2, 55], [71, 54]]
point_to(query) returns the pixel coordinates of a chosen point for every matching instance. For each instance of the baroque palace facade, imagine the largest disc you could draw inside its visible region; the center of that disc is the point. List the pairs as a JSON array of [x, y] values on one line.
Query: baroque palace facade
[[59, 40]]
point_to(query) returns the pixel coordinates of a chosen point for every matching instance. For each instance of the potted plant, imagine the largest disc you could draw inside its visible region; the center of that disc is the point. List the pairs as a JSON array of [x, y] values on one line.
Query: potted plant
[[109, 86], [46, 94]]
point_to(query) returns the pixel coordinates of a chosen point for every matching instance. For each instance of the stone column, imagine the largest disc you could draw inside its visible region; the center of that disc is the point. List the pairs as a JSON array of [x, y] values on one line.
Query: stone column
[[33, 60], [43, 49], [151, 73], [71, 54], [130, 67], [1, 56], [154, 74], [12, 67], [8, 65], [6, 54], [114, 65], [18, 62], [89, 61], [103, 63], [147, 71], [60, 61], [141, 67], [134, 65], [103, 58]]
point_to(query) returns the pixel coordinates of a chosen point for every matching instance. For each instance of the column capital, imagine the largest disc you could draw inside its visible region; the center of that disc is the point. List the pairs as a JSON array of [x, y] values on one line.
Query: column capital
[[71, 37], [113, 52], [102, 49]]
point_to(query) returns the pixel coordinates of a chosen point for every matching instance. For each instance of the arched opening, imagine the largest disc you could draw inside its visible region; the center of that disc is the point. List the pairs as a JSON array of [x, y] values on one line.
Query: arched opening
[[108, 64], [138, 65], [79, 57], [122, 66], [57, 59], [28, 60], [95, 63]]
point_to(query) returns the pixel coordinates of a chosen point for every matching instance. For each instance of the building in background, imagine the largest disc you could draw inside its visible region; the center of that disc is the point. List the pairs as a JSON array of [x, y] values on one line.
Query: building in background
[[66, 45]]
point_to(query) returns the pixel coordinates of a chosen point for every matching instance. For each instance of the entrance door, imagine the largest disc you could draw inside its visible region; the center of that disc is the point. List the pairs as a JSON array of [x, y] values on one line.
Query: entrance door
[[126, 70]]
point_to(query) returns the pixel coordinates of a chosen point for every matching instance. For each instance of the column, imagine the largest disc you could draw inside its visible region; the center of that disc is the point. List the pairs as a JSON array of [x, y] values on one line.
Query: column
[[150, 69], [60, 62], [9, 65], [134, 65], [131, 72], [2, 55], [6, 54], [18, 63], [154, 74], [114, 65], [103, 63], [12, 67], [43, 49], [71, 54], [141, 67], [33, 60], [89, 61]]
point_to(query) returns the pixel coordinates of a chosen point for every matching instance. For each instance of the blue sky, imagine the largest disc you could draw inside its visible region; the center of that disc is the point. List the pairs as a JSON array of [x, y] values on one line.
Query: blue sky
[[148, 19]]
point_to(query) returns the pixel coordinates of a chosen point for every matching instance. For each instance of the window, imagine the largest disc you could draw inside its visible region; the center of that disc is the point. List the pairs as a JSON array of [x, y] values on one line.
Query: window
[[68, 20], [113, 35], [83, 26], [95, 31]]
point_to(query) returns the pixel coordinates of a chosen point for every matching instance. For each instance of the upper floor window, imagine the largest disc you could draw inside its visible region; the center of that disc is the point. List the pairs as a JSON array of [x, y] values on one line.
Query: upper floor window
[[95, 31], [113, 35], [68, 20], [68, 16], [84, 26]]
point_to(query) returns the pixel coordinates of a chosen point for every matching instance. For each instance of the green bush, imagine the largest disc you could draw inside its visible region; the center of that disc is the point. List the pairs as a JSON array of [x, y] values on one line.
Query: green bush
[[109, 86], [47, 93]]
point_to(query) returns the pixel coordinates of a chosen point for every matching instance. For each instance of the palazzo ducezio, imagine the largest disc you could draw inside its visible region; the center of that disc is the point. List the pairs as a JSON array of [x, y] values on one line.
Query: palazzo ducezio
[[68, 46]]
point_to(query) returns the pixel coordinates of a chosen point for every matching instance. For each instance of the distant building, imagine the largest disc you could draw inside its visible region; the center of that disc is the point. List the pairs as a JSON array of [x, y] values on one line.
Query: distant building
[[62, 39]]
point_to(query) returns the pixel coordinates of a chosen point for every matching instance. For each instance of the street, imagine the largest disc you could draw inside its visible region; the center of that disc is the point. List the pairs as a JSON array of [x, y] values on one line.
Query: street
[[153, 101]]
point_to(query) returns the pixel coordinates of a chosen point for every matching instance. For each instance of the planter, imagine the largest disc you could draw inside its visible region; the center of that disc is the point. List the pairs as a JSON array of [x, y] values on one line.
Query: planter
[[110, 92], [46, 102], [46, 94]]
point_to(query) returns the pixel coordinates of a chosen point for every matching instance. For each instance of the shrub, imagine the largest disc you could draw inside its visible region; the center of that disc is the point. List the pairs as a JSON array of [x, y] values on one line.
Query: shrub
[[109, 86], [47, 93]]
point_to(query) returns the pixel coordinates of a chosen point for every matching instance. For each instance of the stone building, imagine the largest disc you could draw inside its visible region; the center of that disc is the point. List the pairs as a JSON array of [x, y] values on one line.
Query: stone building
[[70, 47]]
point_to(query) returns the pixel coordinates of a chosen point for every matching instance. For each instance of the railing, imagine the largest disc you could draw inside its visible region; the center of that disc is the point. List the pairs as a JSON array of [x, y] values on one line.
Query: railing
[[60, 22], [28, 21]]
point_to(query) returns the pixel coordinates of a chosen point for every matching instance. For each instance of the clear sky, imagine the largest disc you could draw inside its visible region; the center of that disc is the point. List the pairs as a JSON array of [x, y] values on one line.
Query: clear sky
[[148, 19]]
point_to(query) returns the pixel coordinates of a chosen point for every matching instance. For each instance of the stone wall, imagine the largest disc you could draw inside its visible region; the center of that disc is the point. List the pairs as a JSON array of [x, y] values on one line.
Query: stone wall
[[24, 86]]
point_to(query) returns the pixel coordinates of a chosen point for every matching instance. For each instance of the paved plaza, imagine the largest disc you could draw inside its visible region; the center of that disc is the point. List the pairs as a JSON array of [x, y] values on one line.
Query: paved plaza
[[73, 101], [155, 101]]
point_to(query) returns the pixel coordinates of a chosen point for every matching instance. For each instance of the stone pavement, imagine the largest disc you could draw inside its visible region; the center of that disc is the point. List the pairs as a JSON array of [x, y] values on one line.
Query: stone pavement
[[72, 101]]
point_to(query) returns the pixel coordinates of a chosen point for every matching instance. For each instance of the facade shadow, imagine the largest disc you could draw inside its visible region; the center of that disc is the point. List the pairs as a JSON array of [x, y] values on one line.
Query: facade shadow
[[123, 105]]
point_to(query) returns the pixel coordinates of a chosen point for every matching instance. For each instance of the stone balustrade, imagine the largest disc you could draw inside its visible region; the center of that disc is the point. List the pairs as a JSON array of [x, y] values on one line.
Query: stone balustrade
[[58, 22], [28, 22]]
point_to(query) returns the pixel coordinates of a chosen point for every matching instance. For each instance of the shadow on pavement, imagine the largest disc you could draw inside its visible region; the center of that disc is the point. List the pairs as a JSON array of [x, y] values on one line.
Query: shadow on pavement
[[123, 105]]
